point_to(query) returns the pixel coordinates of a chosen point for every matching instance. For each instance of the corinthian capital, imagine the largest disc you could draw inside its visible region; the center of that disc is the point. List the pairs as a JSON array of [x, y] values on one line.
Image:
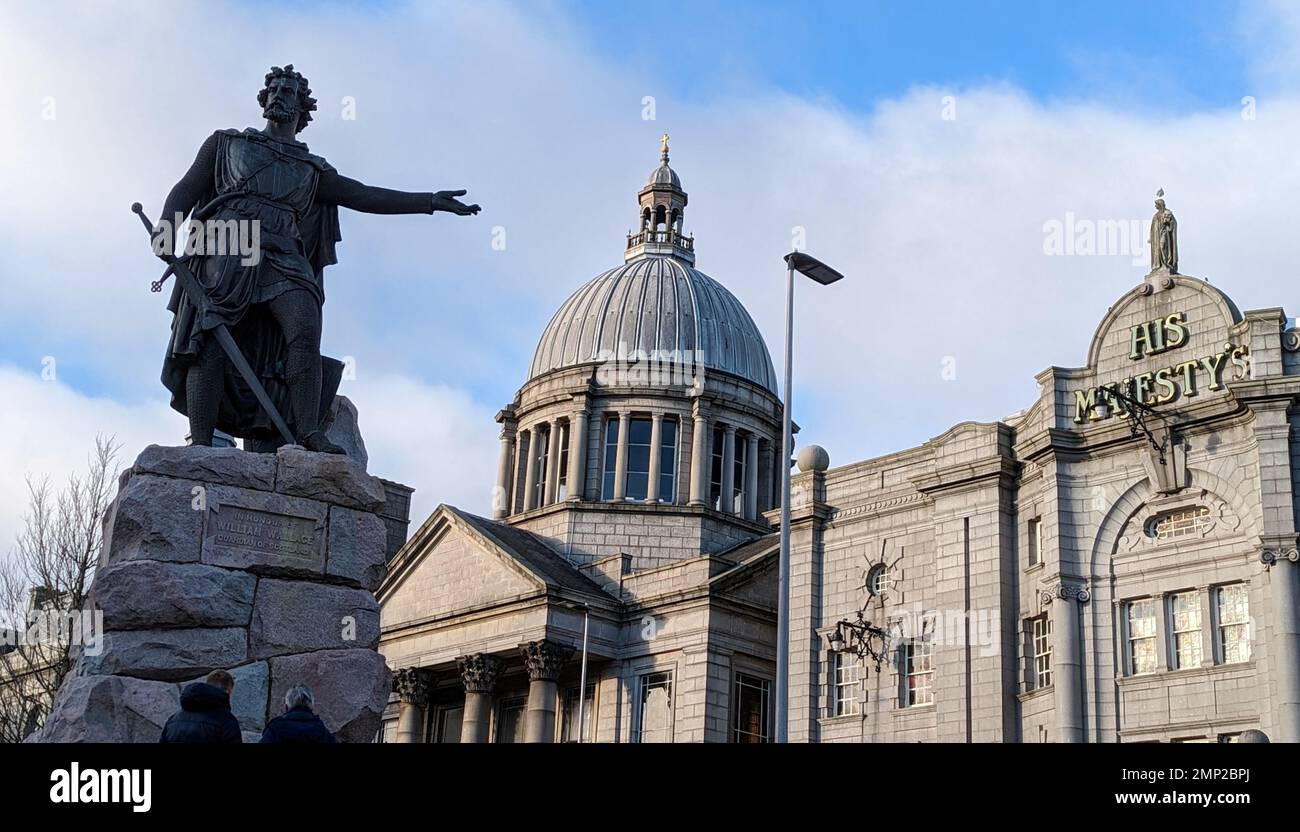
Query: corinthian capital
[[412, 685], [545, 659], [479, 672]]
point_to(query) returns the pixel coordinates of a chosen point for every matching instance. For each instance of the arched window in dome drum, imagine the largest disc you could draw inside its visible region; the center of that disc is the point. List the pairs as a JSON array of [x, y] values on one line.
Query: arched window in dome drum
[[562, 473], [611, 458], [715, 469], [741, 460], [638, 460], [543, 446], [668, 462]]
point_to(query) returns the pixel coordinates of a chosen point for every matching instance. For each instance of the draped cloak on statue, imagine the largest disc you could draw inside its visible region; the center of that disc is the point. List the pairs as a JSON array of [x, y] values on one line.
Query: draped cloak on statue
[[273, 183]]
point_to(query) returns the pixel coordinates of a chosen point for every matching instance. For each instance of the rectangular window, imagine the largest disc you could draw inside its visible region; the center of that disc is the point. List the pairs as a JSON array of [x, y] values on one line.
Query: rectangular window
[[1035, 541], [543, 436], [668, 462], [510, 720], [611, 458], [655, 707], [1142, 656], [1042, 641], [569, 723], [715, 470], [449, 724], [751, 721], [738, 475], [918, 673], [1234, 624], [1185, 625], [638, 459], [562, 483], [847, 680]]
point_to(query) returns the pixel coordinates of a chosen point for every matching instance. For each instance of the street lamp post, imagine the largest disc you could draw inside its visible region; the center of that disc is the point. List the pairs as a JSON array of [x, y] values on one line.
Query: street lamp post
[[811, 267]]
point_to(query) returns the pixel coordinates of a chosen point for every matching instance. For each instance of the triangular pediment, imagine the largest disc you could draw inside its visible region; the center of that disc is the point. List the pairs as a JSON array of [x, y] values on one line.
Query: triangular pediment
[[448, 566]]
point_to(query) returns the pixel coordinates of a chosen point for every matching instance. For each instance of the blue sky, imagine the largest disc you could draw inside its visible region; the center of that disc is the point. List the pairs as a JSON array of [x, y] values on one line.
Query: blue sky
[[821, 115], [858, 52]]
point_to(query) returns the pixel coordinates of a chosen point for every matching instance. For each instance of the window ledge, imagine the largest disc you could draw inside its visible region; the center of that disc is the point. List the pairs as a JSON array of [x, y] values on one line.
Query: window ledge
[[914, 709], [1037, 567], [1185, 673], [1036, 693], [842, 719]]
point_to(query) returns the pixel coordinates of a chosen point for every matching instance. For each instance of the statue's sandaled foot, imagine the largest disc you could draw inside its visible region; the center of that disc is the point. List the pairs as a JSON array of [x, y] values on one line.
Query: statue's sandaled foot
[[316, 441]]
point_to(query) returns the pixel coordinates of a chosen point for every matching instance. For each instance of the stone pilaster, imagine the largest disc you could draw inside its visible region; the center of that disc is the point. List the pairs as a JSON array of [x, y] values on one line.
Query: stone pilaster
[[577, 477], [505, 460], [479, 673], [751, 477], [544, 660], [656, 451], [412, 687], [699, 457], [1065, 599], [620, 459], [1282, 558]]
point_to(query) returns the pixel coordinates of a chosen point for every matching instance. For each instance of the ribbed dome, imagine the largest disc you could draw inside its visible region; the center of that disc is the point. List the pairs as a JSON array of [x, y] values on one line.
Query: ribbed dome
[[664, 175], [655, 305]]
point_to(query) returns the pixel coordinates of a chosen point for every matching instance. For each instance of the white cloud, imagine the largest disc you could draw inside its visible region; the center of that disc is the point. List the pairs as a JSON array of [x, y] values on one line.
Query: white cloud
[[48, 429], [432, 437], [938, 224]]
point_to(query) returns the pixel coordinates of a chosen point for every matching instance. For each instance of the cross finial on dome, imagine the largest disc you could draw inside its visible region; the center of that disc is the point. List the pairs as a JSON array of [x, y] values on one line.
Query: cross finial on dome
[[663, 148]]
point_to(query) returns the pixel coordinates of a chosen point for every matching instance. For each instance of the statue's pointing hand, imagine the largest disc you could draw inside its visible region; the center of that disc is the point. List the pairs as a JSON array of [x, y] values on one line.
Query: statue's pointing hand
[[446, 201]]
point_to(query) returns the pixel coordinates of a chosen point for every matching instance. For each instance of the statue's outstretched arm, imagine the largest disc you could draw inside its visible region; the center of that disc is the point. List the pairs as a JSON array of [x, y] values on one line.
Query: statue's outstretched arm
[[197, 182], [336, 189]]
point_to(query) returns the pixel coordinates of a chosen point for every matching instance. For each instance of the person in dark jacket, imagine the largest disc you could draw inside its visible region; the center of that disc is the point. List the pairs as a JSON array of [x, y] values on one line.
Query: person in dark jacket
[[205, 715], [298, 725]]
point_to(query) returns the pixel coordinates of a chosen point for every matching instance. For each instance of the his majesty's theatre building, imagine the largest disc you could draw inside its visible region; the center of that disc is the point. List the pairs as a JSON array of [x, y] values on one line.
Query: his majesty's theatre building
[[1115, 563]]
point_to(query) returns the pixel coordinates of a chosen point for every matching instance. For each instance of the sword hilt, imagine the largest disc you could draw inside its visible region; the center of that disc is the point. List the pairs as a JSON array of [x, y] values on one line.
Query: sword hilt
[[156, 285], [138, 210]]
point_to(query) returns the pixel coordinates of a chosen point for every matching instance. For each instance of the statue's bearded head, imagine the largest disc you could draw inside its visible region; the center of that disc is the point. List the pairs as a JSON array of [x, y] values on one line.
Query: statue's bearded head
[[286, 98]]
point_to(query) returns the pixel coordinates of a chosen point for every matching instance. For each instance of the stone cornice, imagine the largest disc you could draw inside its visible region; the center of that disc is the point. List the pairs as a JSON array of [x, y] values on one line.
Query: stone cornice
[[899, 502], [969, 474]]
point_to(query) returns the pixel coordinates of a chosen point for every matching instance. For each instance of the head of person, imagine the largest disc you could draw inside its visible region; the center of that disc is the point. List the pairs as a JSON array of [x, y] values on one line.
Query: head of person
[[286, 98], [221, 679], [299, 696]]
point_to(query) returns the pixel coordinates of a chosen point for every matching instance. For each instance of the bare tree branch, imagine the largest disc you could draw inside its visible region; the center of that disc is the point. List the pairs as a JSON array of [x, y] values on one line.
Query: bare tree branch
[[51, 566]]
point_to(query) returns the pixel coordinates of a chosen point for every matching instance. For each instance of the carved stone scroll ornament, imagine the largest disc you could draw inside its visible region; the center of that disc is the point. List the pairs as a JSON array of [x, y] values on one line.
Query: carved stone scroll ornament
[[412, 685], [479, 672], [1069, 590], [1271, 556], [544, 659]]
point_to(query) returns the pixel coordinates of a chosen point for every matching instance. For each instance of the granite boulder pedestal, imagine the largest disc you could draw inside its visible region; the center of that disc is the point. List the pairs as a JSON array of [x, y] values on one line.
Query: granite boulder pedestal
[[260, 564]]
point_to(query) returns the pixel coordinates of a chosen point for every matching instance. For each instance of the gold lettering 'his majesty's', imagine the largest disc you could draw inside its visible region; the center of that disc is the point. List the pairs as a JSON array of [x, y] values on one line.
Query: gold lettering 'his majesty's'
[[1166, 384], [1155, 337]]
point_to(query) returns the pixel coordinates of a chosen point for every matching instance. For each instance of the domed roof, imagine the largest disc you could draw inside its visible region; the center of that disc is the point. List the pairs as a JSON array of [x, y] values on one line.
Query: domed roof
[[655, 305], [663, 175]]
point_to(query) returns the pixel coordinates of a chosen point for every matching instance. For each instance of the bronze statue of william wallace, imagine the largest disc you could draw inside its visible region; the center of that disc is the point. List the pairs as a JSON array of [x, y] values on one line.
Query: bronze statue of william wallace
[[271, 302]]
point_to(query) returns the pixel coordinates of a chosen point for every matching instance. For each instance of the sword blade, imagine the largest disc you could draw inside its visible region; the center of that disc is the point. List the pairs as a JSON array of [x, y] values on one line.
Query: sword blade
[[190, 286]]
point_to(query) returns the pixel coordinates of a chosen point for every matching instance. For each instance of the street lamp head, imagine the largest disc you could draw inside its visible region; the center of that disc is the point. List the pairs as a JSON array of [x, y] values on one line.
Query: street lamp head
[[810, 266]]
